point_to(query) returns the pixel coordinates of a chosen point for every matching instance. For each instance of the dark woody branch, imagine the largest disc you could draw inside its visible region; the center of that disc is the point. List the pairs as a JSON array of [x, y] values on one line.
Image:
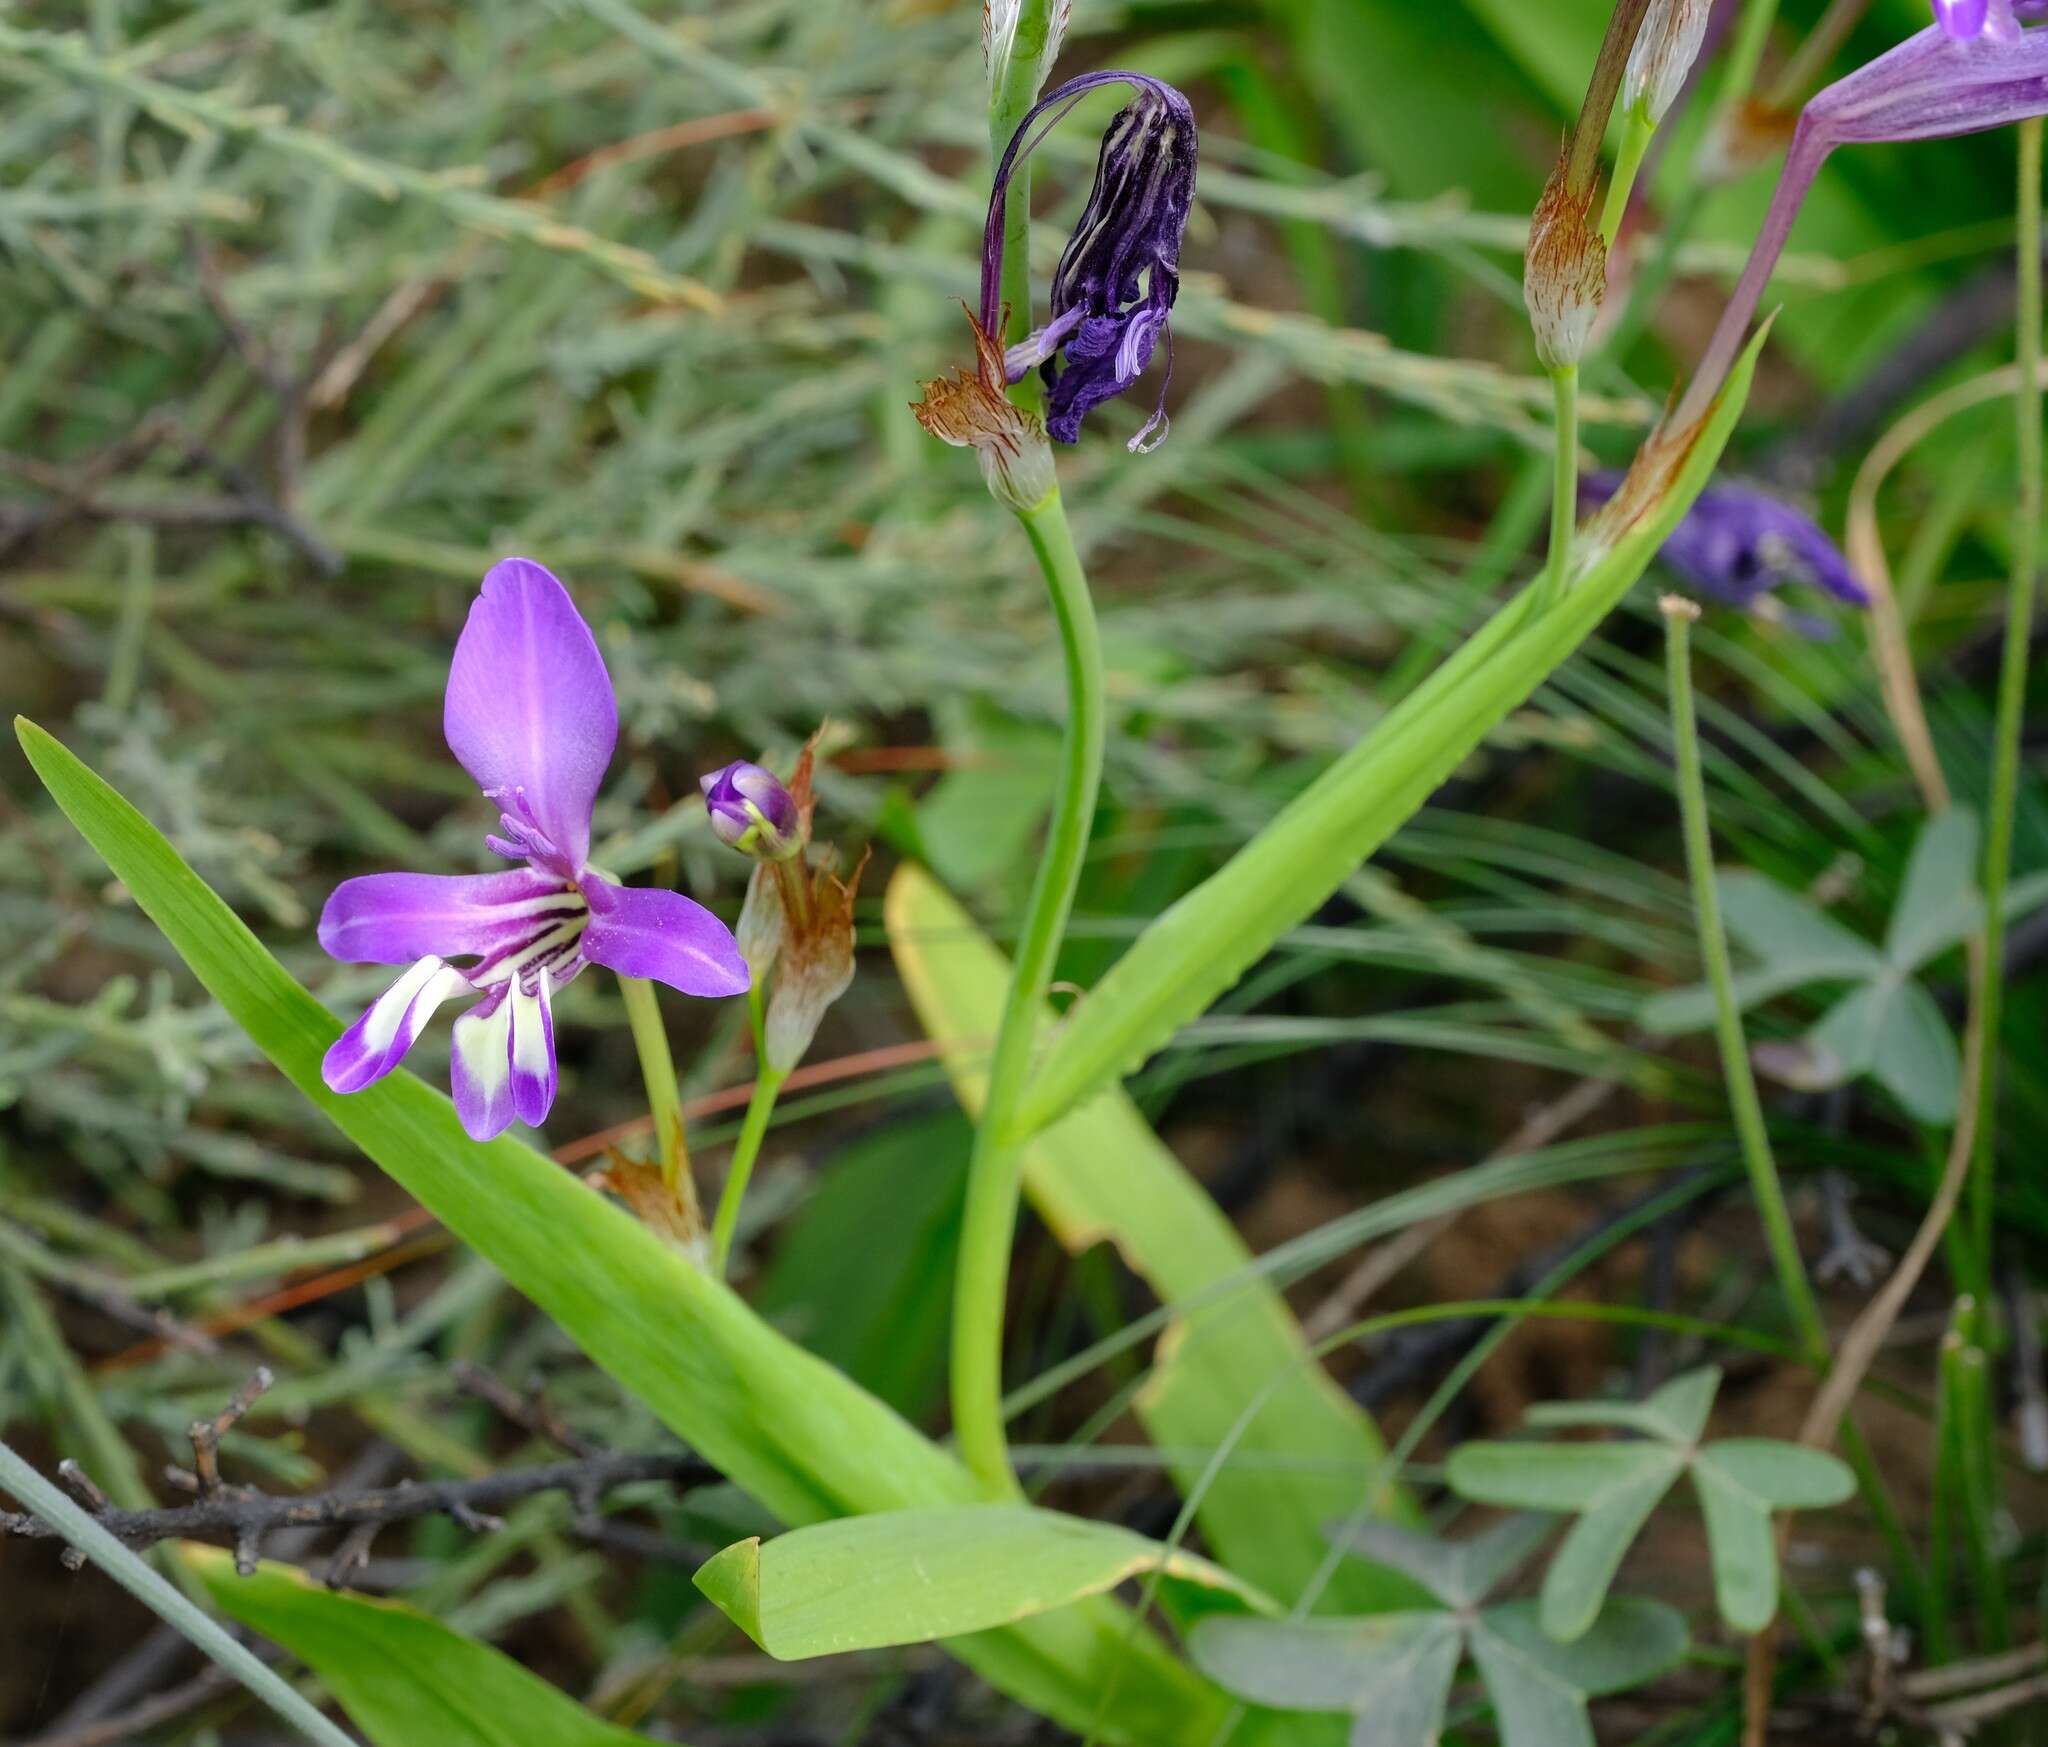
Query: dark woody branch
[[247, 1516]]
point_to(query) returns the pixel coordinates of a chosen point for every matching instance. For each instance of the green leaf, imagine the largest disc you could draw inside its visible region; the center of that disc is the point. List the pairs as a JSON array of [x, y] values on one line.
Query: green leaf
[[1676, 1413], [1102, 1176], [1206, 941], [1582, 1569], [1386, 1667], [786, 1427], [1540, 1687], [1632, 1641], [1458, 1573], [1674, 1012], [1781, 927], [1938, 901], [1848, 1032], [1678, 1410], [1892, 1030], [1779, 1475], [911, 1576], [404, 1678], [860, 1269], [1556, 1477], [1915, 1056], [1739, 1544]]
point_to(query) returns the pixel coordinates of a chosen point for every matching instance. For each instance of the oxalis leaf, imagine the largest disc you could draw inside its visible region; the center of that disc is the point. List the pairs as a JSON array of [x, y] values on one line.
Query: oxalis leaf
[[404, 1678], [909, 1576], [1208, 939], [792, 1431], [1393, 1671], [1739, 1481]]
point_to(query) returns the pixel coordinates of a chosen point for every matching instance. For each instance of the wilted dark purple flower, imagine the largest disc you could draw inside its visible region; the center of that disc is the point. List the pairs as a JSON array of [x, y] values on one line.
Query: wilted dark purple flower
[[530, 715], [752, 812], [1934, 85], [1736, 544], [1120, 272]]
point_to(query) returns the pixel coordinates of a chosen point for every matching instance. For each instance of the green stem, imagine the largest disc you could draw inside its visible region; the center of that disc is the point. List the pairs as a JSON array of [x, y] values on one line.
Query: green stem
[[995, 1170], [658, 1069], [1745, 56], [1638, 130], [2012, 692], [1009, 102], [744, 1152], [133, 1575], [1742, 1094], [1564, 490]]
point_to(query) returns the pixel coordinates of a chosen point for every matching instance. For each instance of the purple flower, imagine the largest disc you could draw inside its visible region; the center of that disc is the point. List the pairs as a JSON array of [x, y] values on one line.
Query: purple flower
[[1934, 85], [1736, 544], [1120, 273], [752, 812], [530, 715], [1966, 19]]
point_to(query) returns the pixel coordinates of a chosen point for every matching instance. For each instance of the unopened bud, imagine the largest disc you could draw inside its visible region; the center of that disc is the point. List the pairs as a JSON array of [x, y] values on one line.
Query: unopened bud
[[1000, 29], [752, 812], [1663, 57], [1564, 273], [972, 409]]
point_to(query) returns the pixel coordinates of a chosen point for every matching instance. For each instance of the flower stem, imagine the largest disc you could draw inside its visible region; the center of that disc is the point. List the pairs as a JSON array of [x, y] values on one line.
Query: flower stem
[[1564, 491], [994, 1172], [1638, 130], [767, 1085], [1009, 102], [1742, 1094], [664, 1103], [2012, 691]]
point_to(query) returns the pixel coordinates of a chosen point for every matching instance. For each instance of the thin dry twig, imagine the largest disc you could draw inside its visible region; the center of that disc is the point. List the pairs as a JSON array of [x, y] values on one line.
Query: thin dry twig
[[249, 1516]]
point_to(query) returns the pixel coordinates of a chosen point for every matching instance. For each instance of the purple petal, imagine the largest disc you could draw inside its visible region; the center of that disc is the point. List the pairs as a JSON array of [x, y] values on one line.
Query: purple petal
[[532, 1050], [480, 1068], [1961, 18], [641, 932], [377, 1042], [395, 918], [530, 711]]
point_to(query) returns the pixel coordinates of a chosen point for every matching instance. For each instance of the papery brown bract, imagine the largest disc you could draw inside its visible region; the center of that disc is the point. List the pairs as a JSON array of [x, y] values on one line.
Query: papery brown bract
[[1564, 273], [972, 409]]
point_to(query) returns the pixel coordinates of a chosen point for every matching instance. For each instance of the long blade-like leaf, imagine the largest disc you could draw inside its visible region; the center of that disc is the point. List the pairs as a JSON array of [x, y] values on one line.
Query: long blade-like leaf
[[404, 1678]]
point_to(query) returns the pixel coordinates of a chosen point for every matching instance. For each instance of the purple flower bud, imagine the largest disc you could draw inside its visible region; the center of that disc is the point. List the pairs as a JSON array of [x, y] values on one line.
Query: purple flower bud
[[752, 812], [1736, 544], [1118, 278]]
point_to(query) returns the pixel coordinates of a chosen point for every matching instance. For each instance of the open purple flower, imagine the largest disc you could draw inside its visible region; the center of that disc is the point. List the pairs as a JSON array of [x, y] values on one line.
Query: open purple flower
[[1940, 83], [530, 715], [1737, 544], [1120, 273]]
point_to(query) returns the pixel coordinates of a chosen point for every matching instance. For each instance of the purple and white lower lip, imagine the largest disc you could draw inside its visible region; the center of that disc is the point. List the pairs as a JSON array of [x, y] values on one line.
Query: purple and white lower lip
[[548, 940], [378, 1041]]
